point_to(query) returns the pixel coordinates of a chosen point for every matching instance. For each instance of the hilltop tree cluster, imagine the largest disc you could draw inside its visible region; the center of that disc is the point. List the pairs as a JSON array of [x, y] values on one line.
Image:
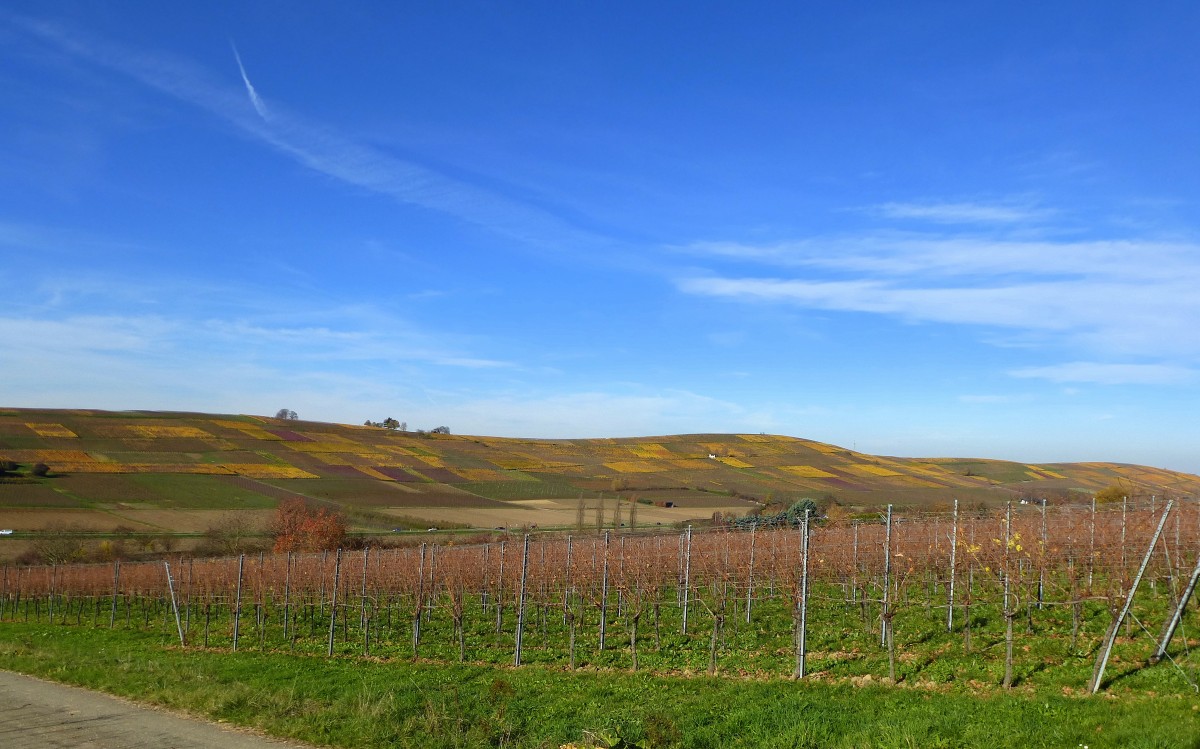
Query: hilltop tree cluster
[[388, 423]]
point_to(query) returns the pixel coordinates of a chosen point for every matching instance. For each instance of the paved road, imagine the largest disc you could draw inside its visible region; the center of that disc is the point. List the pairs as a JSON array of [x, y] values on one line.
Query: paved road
[[41, 714]]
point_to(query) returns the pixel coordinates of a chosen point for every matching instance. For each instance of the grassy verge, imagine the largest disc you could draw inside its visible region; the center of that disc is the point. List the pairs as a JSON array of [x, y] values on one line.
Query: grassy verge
[[348, 701]]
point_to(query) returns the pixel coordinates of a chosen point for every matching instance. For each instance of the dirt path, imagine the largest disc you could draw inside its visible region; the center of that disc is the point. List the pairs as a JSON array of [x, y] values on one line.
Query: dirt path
[[36, 713]]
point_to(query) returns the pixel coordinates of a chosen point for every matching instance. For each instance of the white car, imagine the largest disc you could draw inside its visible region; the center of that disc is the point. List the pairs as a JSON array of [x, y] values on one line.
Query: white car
[[6, 532]]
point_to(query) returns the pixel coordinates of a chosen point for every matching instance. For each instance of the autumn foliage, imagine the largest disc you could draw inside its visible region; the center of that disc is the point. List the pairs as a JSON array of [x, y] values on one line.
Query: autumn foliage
[[299, 527]]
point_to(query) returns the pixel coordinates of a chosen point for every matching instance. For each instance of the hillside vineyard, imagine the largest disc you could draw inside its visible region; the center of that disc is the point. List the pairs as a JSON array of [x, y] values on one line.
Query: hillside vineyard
[[689, 600]]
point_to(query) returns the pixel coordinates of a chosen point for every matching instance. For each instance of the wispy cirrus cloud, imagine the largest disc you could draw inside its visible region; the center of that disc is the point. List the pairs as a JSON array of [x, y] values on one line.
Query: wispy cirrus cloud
[[962, 213], [311, 143], [1122, 298], [1102, 373], [993, 399], [614, 411], [255, 99]]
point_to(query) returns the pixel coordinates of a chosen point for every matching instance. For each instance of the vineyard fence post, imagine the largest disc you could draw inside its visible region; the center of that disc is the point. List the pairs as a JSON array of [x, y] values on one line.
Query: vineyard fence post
[[237, 604], [1177, 615], [521, 602], [1106, 650], [174, 604]]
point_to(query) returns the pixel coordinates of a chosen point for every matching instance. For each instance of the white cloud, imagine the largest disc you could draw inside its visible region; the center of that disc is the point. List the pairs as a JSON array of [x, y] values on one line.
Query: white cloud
[[255, 99], [86, 333], [962, 213], [313, 144], [211, 360], [1110, 374], [1116, 297], [593, 413], [991, 399]]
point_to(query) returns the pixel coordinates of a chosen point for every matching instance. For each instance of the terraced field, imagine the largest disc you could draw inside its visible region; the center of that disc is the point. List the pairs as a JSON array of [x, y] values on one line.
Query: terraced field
[[176, 472]]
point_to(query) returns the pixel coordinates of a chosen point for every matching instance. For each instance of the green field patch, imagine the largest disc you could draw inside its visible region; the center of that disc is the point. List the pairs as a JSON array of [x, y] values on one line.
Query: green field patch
[[34, 495], [17, 442], [437, 496], [525, 486], [364, 490], [994, 470], [197, 492], [106, 487], [233, 456], [14, 428]]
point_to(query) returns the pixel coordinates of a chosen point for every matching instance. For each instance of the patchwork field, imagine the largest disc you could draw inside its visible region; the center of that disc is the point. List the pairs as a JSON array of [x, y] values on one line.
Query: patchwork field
[[181, 472]]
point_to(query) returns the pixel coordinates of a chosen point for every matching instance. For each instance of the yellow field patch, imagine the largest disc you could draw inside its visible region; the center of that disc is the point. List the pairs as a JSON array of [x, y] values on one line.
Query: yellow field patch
[[633, 466], [70, 456], [232, 424], [51, 430], [327, 447], [754, 438], [930, 470], [253, 432], [866, 469], [375, 474], [211, 469], [404, 451], [91, 466], [431, 460], [734, 462], [808, 472], [481, 474], [264, 471], [650, 450], [914, 481], [821, 447], [1045, 472], [517, 464], [261, 434], [156, 432]]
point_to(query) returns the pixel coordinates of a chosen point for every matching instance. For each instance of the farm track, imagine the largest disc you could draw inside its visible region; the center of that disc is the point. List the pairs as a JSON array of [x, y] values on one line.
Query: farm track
[[44, 715]]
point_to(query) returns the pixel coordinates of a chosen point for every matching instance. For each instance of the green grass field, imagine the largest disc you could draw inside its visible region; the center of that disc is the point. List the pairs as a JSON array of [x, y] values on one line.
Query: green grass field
[[352, 702]]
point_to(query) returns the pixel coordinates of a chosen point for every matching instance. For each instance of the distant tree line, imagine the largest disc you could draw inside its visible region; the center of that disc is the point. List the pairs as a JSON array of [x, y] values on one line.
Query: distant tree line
[[390, 423]]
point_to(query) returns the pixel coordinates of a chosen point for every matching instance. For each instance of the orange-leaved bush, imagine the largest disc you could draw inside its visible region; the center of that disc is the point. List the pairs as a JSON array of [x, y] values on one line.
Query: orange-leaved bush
[[298, 527]]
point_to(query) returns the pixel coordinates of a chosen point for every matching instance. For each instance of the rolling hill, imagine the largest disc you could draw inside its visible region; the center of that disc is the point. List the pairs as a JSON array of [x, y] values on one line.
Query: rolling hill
[[181, 472]]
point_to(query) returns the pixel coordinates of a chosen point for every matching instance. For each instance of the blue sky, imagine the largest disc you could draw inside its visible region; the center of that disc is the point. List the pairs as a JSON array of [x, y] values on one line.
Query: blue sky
[[942, 229]]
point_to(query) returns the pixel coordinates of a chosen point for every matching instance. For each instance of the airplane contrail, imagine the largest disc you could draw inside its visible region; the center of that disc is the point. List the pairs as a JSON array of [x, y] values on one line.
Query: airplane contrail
[[254, 98]]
